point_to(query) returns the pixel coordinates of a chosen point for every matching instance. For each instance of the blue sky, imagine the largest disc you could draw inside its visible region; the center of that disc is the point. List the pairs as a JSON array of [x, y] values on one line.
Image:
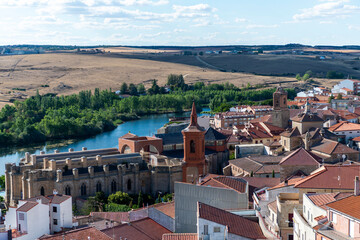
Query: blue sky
[[180, 22]]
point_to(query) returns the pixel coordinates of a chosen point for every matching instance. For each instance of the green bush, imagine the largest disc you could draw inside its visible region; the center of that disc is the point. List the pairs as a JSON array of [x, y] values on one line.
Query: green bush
[[113, 207]]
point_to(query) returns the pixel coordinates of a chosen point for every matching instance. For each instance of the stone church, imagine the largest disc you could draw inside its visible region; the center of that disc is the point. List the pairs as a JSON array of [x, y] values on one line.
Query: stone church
[[146, 164]]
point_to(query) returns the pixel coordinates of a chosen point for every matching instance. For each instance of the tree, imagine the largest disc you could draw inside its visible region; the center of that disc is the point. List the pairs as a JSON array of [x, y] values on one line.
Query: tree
[[141, 89], [124, 88], [305, 77], [155, 89], [273, 173], [2, 181], [133, 90], [100, 200], [298, 77], [140, 202], [331, 98], [120, 198], [334, 75], [339, 97]]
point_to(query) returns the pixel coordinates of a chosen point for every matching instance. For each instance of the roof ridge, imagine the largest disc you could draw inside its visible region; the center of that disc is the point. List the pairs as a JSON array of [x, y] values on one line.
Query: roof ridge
[[310, 177]]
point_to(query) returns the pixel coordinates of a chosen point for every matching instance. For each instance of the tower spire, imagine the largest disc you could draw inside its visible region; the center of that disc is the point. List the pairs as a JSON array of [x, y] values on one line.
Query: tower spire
[[193, 117]]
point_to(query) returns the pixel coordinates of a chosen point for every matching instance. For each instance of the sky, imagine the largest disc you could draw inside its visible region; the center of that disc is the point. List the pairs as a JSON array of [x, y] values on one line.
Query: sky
[[179, 22]]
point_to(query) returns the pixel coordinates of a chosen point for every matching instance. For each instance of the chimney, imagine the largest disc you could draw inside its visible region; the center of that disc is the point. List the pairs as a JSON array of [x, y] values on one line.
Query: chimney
[[356, 186], [286, 182]]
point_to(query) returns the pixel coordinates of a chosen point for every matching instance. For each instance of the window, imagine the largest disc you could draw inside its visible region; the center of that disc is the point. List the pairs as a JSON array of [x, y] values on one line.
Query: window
[[83, 189], [98, 187], [21, 216], [42, 191], [67, 190], [334, 218], [113, 186], [129, 185], [351, 228], [290, 219], [192, 146], [55, 221], [216, 229], [54, 209], [206, 229]]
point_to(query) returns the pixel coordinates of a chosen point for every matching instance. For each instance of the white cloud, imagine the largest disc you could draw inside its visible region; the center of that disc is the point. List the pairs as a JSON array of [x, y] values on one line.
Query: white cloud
[[354, 27], [239, 20], [330, 8], [251, 26]]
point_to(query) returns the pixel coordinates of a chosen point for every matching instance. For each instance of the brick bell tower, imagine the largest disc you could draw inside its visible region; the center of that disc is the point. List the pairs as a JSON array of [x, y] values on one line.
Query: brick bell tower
[[194, 150]]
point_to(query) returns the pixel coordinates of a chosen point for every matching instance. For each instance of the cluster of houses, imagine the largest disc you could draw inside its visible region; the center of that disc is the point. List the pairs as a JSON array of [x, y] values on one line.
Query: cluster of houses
[[294, 174]]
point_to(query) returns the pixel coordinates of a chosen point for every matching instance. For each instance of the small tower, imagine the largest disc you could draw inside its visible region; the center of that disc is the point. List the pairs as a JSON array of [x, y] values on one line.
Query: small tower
[[194, 150], [281, 113]]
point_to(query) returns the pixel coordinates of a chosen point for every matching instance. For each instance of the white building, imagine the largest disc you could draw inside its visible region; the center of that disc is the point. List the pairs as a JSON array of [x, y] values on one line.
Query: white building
[[35, 217], [313, 213], [353, 85], [350, 130], [217, 224]]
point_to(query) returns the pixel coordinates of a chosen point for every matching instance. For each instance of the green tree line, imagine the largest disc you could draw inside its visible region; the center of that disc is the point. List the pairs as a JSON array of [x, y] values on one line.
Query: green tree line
[[47, 117]]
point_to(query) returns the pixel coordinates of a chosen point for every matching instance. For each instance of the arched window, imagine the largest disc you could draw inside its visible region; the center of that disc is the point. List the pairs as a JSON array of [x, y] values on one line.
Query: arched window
[[42, 191], [129, 185], [83, 189], [98, 187], [192, 146], [113, 186], [67, 190]]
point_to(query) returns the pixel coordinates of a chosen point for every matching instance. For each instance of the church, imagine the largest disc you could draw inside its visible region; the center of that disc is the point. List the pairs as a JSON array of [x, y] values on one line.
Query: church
[[140, 164]]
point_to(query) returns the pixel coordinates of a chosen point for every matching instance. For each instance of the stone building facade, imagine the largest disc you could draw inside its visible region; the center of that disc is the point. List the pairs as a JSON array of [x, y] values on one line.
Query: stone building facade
[[83, 173]]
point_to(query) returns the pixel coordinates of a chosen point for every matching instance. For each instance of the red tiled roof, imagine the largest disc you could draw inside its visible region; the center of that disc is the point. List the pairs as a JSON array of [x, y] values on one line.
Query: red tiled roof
[[260, 182], [349, 206], [300, 157], [344, 126], [318, 218], [236, 224], [81, 233], [265, 118], [357, 139], [331, 177], [290, 182], [129, 135], [329, 147], [322, 199], [166, 208], [27, 206], [234, 183], [180, 236], [305, 117], [55, 199], [144, 229]]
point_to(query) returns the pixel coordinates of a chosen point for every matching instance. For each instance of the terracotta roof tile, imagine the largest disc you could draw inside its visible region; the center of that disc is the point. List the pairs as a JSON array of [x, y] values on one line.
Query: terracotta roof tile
[[27, 206], [114, 216], [81, 233], [166, 208], [228, 182], [236, 224], [301, 157], [180, 236], [322, 199], [331, 177], [260, 182], [318, 218], [291, 182], [144, 229], [345, 126], [328, 146], [349, 206], [305, 117]]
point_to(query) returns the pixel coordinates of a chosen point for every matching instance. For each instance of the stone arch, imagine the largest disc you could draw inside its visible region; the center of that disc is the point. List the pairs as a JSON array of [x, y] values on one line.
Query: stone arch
[[67, 190], [98, 186], [83, 190], [150, 148], [113, 186], [126, 149], [42, 191]]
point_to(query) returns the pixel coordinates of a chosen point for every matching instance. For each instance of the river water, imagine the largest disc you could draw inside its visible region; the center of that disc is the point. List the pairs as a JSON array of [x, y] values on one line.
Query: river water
[[146, 126]]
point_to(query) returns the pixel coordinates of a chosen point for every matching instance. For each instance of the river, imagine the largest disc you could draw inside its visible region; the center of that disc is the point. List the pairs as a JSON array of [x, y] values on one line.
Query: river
[[146, 126]]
